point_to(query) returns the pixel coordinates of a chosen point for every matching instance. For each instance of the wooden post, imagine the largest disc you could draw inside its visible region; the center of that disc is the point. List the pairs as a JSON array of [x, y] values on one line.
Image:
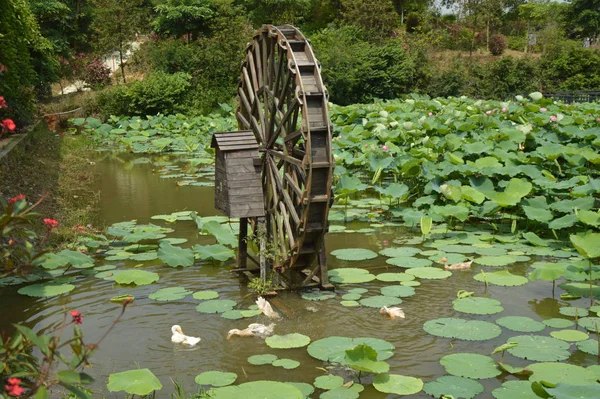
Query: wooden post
[[322, 259], [262, 259], [243, 244]]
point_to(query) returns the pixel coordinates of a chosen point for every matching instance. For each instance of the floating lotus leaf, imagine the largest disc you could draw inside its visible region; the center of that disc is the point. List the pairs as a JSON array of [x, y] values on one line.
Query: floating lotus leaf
[[358, 290], [350, 275], [502, 260], [470, 365], [534, 239], [595, 308], [328, 381], [451, 258], [349, 304], [202, 295], [169, 294], [354, 254], [340, 393], [46, 289], [224, 235], [173, 240], [547, 271], [132, 276], [520, 324], [570, 335], [104, 268], [410, 283], [262, 359], [397, 384], [539, 348], [215, 378], [503, 278], [492, 251], [561, 373], [590, 323], [379, 301], [134, 382], [394, 277], [409, 262], [396, 252], [558, 323], [588, 244], [122, 298], [581, 289], [293, 340], [143, 236], [145, 256], [470, 330], [287, 364], [398, 291], [573, 311], [457, 387], [477, 305], [461, 249], [364, 358], [175, 256], [514, 390], [588, 346], [318, 296], [333, 349], [305, 388], [217, 252], [568, 391], [351, 297], [216, 306], [257, 390], [429, 273]]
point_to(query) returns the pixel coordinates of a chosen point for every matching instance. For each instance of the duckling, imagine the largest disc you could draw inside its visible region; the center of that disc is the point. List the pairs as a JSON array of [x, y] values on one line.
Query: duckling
[[179, 337], [456, 266], [265, 307], [392, 313], [253, 330]]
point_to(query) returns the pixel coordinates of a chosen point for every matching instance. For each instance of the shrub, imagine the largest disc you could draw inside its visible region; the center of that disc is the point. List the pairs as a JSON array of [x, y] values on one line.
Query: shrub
[[413, 22], [517, 43], [572, 68], [497, 44], [96, 74]]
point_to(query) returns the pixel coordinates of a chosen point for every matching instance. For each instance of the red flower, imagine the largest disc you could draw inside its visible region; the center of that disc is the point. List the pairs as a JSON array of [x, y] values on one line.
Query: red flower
[[51, 223], [13, 388], [17, 198], [3, 103], [77, 317], [8, 124]]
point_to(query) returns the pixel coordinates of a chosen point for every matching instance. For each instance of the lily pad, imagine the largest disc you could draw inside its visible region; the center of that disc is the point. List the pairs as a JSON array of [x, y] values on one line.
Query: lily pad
[[203, 295], [502, 260], [46, 289], [513, 390], [358, 290], [293, 340], [351, 297], [122, 298], [561, 373], [354, 254], [394, 277], [429, 273], [590, 323], [397, 384], [215, 378], [257, 390], [333, 349], [558, 323], [470, 365], [305, 388], [350, 275], [409, 262], [573, 311], [136, 277], [262, 359], [175, 256], [215, 252], [349, 304], [169, 294], [287, 364], [520, 324], [470, 330], [364, 358], [568, 391], [340, 393], [398, 291], [396, 252], [134, 382], [539, 348], [379, 301], [588, 346], [216, 306], [457, 387], [328, 381], [570, 335], [503, 278], [477, 305]]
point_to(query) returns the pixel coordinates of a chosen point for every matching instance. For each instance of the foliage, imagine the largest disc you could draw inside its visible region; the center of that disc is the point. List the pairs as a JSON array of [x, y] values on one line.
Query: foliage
[[497, 44], [376, 17], [571, 68], [276, 12], [182, 17], [584, 18], [96, 74]]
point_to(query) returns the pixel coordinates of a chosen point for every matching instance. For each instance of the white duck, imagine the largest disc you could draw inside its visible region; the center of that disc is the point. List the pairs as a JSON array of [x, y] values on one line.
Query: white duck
[[253, 330], [265, 307], [179, 337], [392, 313]]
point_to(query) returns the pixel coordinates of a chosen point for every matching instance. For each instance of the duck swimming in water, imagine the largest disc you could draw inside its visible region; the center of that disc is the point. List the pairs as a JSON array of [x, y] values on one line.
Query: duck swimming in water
[[253, 330], [265, 307], [179, 337], [392, 313], [456, 266]]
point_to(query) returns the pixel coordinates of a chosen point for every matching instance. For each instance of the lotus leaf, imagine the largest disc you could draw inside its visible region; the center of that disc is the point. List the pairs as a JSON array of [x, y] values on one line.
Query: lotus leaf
[[339, 393], [351, 297], [202, 295], [134, 382], [410, 283], [262, 359], [539, 348], [590, 323], [573, 311], [169, 294], [380, 300], [216, 252], [305, 388], [216, 306], [318, 296], [396, 252], [257, 390], [547, 271], [502, 260], [287, 364], [580, 289], [349, 304], [216, 378], [477, 305], [354, 254], [136, 277], [394, 277], [293, 340], [457, 387], [328, 381], [364, 358], [515, 389], [429, 273], [570, 335], [175, 256], [144, 256], [461, 249], [409, 262], [558, 323], [398, 291], [588, 244], [567, 391], [224, 235], [520, 324], [350, 275], [358, 291], [539, 215], [534, 239], [143, 236], [470, 330], [46, 289], [561, 373], [397, 384], [502, 278], [470, 365], [333, 349], [588, 346], [122, 298]]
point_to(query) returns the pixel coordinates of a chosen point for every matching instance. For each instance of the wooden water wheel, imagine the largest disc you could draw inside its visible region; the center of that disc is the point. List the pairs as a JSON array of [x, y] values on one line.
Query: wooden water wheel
[[283, 102]]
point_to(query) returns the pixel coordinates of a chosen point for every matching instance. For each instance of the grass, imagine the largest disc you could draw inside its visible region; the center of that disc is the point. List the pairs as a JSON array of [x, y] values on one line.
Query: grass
[[59, 167]]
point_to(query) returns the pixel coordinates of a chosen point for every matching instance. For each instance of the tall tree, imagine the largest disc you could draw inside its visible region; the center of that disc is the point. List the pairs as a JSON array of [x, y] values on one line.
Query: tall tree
[[116, 24], [585, 18], [183, 17], [376, 17]]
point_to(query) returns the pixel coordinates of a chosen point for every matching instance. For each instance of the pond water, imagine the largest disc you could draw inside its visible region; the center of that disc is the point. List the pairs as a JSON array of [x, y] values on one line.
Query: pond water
[[142, 338]]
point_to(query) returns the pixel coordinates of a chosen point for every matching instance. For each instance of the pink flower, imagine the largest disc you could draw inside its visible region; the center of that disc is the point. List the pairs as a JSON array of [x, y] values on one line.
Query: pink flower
[[553, 118], [77, 317], [8, 124], [17, 198], [366, 145], [384, 148], [51, 223], [13, 388], [488, 112], [431, 114], [504, 109], [543, 109], [597, 119], [3, 103]]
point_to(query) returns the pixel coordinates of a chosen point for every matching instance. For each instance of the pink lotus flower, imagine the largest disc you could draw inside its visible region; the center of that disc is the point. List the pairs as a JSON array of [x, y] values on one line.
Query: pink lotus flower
[[543, 109], [384, 148], [431, 114], [553, 118], [504, 109], [488, 112]]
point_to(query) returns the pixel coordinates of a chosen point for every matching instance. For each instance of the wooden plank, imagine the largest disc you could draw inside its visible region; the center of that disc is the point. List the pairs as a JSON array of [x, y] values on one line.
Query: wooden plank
[[245, 191], [243, 244], [233, 133], [246, 199], [293, 184], [235, 147], [241, 183], [286, 158]]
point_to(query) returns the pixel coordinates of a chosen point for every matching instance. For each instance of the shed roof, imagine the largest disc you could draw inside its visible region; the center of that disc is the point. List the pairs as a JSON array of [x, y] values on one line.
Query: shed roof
[[232, 141]]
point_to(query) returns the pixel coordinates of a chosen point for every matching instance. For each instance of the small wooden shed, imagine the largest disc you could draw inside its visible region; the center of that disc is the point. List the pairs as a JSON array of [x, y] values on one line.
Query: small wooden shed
[[238, 186]]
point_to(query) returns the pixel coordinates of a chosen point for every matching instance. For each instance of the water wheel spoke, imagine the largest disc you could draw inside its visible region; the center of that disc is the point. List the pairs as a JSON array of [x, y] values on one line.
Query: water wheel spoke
[[281, 125]]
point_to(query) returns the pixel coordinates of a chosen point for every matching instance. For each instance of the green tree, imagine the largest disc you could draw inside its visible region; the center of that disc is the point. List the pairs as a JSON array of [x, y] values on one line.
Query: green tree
[[183, 17], [376, 17], [585, 18], [276, 12]]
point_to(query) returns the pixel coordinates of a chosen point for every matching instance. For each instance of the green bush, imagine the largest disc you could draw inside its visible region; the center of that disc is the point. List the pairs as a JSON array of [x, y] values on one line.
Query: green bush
[[572, 68], [497, 44]]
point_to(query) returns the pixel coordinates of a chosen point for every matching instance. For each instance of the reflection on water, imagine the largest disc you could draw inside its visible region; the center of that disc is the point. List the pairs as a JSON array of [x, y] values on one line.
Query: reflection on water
[[142, 338]]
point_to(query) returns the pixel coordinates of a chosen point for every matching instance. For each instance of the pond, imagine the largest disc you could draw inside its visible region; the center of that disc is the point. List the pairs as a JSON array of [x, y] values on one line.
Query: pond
[[132, 189]]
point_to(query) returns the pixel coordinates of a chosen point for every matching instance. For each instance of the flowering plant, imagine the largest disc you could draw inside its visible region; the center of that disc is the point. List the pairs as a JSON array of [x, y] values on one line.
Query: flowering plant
[[6, 125]]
